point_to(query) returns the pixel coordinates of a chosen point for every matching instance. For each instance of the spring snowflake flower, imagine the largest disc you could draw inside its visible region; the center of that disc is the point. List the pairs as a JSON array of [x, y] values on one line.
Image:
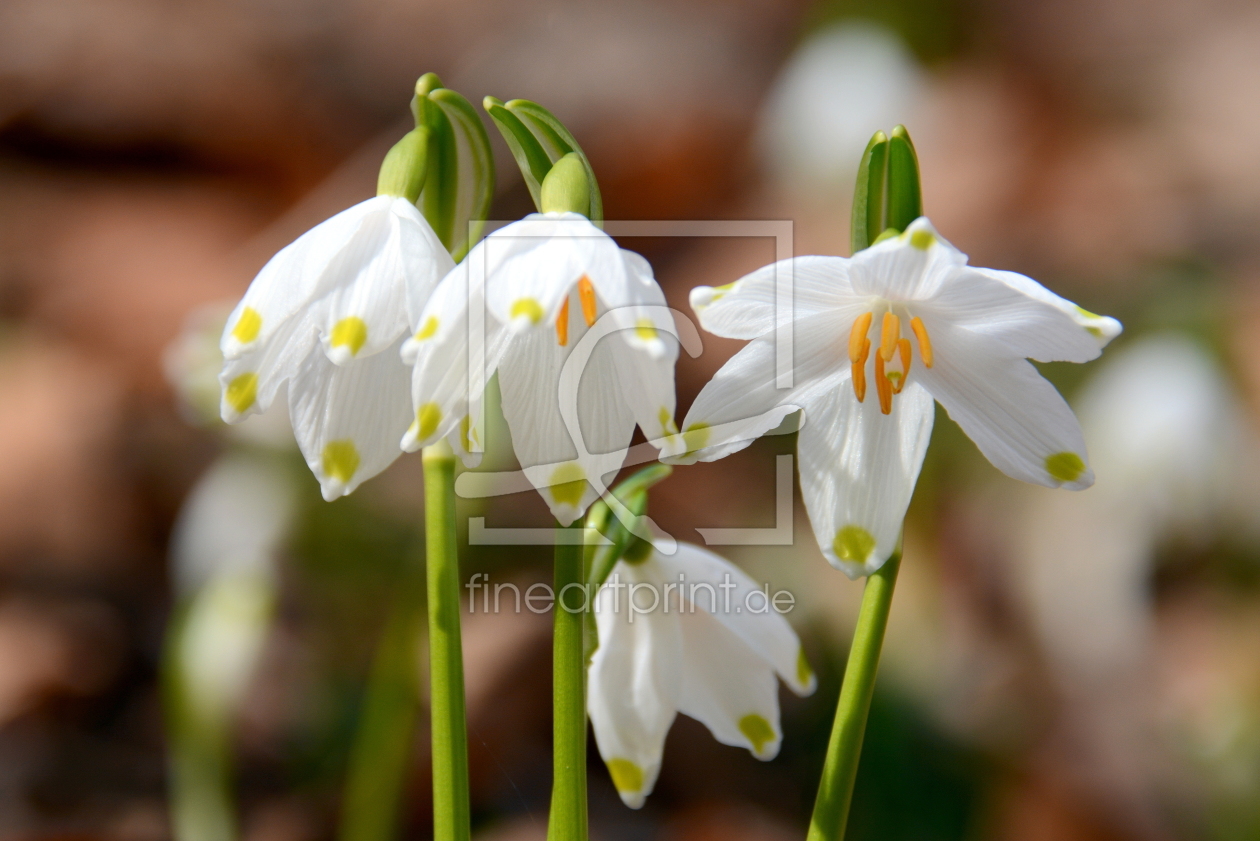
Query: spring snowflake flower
[[687, 633], [540, 285], [328, 315], [877, 336]]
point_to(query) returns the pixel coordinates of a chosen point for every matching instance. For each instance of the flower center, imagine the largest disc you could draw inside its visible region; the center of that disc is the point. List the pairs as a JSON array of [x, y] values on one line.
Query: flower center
[[893, 351], [586, 293]]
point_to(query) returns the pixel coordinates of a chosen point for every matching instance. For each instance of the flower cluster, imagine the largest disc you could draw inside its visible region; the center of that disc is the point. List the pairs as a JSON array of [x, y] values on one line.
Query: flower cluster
[[387, 344]]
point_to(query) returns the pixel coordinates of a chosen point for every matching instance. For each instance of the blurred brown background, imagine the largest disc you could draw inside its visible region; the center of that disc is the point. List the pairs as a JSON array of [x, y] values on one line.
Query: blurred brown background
[[1056, 669]]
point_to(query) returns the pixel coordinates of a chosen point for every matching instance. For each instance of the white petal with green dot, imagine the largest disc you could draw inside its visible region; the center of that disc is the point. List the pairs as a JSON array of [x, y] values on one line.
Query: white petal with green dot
[[858, 469]]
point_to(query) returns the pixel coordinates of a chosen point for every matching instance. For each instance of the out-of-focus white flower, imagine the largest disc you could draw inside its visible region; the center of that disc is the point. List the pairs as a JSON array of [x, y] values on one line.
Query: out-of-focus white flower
[[327, 315], [1176, 458], [689, 633], [223, 554], [842, 85], [541, 284], [974, 330]]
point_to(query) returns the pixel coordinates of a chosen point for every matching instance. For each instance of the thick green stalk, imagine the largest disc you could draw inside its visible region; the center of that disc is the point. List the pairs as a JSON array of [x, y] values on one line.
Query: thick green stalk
[[568, 787], [835, 791], [446, 659]]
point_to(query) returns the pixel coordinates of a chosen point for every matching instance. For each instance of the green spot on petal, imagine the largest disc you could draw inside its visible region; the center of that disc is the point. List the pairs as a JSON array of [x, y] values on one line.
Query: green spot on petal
[[427, 329], [804, 674], [427, 419], [242, 392], [340, 460], [1065, 467], [528, 307], [645, 329], [568, 484], [922, 240], [350, 331], [758, 731], [626, 776], [666, 421], [465, 427], [247, 326], [696, 436], [853, 543]]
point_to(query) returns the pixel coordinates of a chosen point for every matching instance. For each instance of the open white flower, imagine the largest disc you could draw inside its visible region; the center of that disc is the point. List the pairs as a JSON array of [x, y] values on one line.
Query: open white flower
[[687, 633], [537, 287], [912, 319], [327, 314]]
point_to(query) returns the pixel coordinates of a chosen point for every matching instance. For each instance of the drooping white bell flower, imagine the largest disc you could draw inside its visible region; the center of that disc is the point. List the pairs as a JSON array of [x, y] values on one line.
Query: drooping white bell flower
[[690, 633], [537, 287], [328, 315], [912, 319]]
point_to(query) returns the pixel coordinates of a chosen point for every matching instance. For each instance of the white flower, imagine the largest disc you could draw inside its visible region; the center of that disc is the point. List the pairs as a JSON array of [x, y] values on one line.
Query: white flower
[[327, 314], [910, 318], [687, 633], [537, 287]]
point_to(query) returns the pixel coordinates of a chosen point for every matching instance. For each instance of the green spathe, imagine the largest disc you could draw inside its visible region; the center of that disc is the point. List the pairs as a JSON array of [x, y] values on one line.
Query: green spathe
[[566, 189], [405, 166]]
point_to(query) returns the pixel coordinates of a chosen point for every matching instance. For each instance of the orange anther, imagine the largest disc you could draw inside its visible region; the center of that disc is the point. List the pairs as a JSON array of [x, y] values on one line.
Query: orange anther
[[562, 324], [925, 343], [587, 293], [883, 387], [903, 347], [857, 336], [859, 380], [889, 333]]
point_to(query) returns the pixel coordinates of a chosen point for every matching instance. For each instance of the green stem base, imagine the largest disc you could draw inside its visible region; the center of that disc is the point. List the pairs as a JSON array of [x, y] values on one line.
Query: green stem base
[[568, 789]]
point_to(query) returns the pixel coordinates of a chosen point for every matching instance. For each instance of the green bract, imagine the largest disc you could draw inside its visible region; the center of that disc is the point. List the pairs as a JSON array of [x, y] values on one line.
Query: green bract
[[538, 142], [887, 196], [444, 165]]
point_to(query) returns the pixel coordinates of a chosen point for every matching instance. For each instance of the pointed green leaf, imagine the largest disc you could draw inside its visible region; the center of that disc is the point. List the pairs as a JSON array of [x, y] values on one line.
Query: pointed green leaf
[[867, 219], [441, 187], [558, 142], [529, 154], [905, 197], [476, 169]]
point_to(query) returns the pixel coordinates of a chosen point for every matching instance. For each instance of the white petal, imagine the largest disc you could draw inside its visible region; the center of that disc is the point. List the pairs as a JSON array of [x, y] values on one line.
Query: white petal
[[1020, 316], [746, 308], [366, 310], [744, 610], [570, 475], [443, 388], [728, 687], [858, 469], [1014, 415], [907, 267], [532, 264], [425, 260], [249, 383], [633, 684], [293, 279], [644, 317], [348, 418], [741, 402]]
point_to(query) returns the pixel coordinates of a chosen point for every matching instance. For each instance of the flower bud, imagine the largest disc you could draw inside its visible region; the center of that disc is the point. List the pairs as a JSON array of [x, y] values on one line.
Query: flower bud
[[566, 187]]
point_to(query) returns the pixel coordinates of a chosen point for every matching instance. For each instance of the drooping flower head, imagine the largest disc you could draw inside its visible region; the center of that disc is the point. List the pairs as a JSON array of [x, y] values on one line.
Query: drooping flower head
[[539, 301], [327, 315], [690, 633], [877, 337]]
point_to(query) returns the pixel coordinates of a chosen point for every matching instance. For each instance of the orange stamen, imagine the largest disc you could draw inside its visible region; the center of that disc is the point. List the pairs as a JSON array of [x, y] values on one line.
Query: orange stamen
[[889, 333], [857, 336], [903, 346], [925, 343], [587, 293], [883, 387], [858, 368], [562, 324]]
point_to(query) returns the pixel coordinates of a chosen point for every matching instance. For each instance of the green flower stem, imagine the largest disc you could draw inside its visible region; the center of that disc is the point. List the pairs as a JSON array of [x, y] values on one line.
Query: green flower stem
[[568, 787], [835, 791], [446, 659]]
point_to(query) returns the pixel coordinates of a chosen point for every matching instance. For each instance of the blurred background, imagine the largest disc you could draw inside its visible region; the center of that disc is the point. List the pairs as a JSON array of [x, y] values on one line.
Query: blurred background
[[1059, 666]]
